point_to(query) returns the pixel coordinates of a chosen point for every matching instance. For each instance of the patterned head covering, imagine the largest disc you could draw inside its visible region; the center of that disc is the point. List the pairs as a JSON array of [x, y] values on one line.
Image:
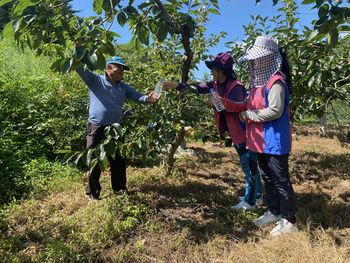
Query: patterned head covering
[[267, 60]]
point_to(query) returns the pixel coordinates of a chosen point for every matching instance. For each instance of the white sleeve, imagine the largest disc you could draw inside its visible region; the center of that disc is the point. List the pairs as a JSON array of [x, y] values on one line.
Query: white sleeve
[[276, 105]]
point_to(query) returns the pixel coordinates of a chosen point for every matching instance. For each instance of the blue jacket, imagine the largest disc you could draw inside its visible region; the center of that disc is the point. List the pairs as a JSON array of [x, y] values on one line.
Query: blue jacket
[[106, 99]]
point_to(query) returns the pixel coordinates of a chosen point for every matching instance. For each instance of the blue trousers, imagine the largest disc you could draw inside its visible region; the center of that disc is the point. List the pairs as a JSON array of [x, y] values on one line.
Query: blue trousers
[[280, 195], [249, 162]]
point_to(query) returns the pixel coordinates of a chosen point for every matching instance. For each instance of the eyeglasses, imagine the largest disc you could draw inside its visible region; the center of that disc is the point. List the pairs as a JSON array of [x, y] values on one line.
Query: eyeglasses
[[115, 68]]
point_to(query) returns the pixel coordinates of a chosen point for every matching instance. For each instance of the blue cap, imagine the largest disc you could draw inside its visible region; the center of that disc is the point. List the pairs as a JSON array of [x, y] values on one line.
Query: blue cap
[[117, 60]]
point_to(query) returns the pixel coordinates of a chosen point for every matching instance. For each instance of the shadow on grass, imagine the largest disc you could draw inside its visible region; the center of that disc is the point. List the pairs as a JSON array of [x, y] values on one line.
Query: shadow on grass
[[318, 167], [322, 210], [204, 209]]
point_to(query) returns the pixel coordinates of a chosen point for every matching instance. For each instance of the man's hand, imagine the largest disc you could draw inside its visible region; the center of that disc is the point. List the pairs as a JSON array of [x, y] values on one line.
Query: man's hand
[[151, 99], [169, 85], [241, 117]]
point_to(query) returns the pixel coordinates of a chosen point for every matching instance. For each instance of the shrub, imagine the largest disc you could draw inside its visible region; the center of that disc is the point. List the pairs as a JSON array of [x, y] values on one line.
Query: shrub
[[40, 113]]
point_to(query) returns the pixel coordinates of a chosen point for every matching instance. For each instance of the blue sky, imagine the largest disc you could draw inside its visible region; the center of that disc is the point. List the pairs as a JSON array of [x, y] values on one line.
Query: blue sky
[[234, 15]]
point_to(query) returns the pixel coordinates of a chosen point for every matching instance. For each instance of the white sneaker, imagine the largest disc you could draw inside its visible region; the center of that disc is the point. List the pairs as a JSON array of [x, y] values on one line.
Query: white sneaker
[[267, 219], [244, 206], [259, 201], [282, 227]]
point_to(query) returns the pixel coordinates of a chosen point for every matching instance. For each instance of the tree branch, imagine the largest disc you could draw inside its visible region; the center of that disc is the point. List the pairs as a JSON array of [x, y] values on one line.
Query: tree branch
[[167, 18]]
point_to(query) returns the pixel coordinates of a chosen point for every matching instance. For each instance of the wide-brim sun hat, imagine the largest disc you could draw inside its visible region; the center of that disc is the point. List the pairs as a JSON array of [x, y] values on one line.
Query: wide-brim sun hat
[[117, 60], [225, 62], [263, 46]]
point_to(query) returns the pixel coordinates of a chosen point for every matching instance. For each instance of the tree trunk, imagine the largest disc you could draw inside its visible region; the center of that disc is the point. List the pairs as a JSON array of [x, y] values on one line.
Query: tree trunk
[[323, 124], [336, 117], [172, 149]]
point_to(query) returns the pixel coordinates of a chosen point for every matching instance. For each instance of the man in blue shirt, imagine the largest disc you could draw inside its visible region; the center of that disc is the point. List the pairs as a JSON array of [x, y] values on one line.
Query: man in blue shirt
[[107, 97]]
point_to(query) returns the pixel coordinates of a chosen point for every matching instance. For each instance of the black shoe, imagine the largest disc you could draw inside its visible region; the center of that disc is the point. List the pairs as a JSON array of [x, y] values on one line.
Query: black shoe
[[121, 192], [92, 197]]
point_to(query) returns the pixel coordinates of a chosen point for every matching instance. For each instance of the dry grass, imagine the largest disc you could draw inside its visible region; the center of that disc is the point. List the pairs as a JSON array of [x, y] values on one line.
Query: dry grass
[[187, 217]]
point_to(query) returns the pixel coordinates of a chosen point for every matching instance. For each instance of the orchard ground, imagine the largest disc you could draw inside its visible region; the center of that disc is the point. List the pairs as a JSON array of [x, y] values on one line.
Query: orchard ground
[[187, 217]]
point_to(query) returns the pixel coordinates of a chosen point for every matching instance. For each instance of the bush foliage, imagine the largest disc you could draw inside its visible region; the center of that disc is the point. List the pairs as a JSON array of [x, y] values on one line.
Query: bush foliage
[[41, 112]]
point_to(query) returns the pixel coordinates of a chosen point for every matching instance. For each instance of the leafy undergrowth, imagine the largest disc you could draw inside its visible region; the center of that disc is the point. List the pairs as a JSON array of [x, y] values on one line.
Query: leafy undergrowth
[[186, 217]]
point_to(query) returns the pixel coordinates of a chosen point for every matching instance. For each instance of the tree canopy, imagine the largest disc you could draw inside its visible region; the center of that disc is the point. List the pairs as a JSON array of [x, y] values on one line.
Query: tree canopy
[[174, 31]]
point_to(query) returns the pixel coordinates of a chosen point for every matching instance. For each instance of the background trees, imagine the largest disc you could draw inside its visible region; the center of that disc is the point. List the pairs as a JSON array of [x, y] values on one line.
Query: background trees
[[169, 40]]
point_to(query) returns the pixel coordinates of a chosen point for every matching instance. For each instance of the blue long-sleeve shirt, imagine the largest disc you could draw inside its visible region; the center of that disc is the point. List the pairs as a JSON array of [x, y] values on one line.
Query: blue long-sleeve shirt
[[106, 99]]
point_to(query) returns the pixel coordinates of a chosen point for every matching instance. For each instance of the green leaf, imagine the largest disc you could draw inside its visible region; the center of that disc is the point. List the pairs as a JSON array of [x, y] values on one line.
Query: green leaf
[[23, 5], [344, 28], [16, 23], [321, 21], [213, 11], [94, 60], [97, 20], [308, 2], [104, 164], [87, 156], [144, 35], [107, 131], [323, 11], [38, 38], [3, 2], [65, 65], [59, 50], [111, 149], [60, 37], [144, 4], [335, 10], [56, 66], [171, 135], [153, 154], [50, 14], [97, 6], [119, 129], [8, 31], [136, 147], [75, 163], [106, 5], [131, 11], [347, 15], [65, 25], [311, 81], [93, 164], [113, 133], [162, 31], [63, 151], [334, 38], [121, 18], [29, 41], [101, 61], [81, 52], [100, 153], [319, 2], [69, 156], [138, 44]]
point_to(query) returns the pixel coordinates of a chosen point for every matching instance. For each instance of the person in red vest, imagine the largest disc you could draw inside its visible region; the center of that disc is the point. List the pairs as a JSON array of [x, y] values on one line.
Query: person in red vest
[[227, 86], [267, 117]]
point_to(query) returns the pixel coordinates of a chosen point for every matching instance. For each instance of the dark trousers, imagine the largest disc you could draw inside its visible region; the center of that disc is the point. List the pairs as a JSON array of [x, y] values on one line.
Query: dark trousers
[[280, 195], [95, 134]]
